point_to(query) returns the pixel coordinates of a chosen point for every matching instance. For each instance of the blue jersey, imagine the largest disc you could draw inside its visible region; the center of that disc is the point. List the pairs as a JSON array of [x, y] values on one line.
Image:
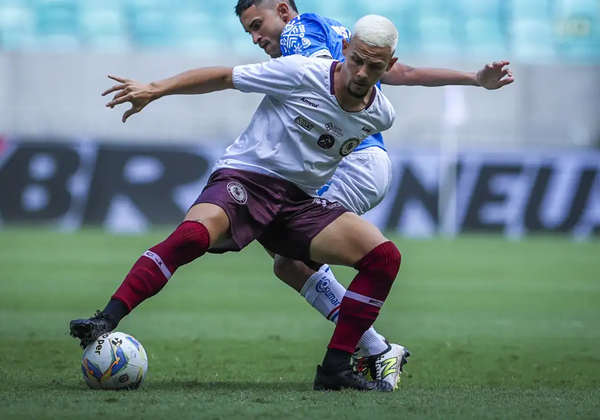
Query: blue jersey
[[315, 36]]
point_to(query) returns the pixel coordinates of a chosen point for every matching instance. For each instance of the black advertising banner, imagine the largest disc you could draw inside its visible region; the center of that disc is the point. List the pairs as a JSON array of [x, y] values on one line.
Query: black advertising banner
[[131, 188]]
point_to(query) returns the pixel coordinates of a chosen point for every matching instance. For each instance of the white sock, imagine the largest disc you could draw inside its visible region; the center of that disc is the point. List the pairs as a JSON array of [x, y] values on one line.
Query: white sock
[[325, 294]]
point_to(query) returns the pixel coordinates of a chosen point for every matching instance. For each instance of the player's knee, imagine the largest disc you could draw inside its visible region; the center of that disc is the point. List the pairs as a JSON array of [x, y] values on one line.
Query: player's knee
[[291, 272], [383, 262], [189, 241]]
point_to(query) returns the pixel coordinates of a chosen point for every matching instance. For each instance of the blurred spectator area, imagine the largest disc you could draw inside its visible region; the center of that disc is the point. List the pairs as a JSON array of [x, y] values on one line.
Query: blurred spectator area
[[527, 29], [54, 55]]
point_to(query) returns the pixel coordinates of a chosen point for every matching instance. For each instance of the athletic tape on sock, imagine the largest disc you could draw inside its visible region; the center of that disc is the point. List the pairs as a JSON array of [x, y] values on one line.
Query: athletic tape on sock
[[159, 262], [364, 299]]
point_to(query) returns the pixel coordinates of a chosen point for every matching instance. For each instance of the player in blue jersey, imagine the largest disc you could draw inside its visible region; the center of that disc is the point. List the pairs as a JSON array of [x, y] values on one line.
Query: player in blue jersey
[[364, 177]]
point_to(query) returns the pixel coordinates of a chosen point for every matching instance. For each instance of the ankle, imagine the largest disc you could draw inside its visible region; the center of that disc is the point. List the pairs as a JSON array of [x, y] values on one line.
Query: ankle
[[336, 361], [115, 311]]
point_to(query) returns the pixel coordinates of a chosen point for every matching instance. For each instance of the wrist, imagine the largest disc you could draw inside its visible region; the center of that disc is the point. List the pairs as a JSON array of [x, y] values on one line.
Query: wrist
[[474, 79], [156, 90]]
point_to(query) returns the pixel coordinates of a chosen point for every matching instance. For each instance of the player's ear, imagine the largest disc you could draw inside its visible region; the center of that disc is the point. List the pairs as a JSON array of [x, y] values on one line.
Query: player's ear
[[283, 10], [391, 63], [345, 45]]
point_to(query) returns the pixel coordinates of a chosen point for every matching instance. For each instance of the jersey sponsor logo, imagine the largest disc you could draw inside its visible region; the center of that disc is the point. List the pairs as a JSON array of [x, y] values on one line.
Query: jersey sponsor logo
[[304, 123], [323, 287], [342, 31], [326, 141], [306, 101], [237, 192], [348, 147], [334, 129]]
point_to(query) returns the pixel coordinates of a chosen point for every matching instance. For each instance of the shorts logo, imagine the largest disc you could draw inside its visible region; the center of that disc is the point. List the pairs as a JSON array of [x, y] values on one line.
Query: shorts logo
[[367, 130], [307, 125], [327, 204], [326, 141], [237, 192], [348, 147]]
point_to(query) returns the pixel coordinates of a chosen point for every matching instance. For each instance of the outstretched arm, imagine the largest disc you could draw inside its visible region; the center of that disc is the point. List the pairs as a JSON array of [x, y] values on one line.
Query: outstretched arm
[[192, 82], [492, 76]]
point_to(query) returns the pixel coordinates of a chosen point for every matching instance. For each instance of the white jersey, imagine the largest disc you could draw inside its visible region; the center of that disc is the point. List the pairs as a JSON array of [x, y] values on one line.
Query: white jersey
[[299, 132]]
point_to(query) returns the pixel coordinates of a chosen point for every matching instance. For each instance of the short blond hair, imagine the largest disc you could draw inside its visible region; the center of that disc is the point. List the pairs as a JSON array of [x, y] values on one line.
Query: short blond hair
[[376, 31]]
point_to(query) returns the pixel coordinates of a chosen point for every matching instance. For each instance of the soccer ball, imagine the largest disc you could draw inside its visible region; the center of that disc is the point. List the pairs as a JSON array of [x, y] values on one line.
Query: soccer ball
[[114, 361]]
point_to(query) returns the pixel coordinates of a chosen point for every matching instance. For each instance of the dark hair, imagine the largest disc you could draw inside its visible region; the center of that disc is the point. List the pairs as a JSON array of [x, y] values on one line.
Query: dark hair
[[243, 5]]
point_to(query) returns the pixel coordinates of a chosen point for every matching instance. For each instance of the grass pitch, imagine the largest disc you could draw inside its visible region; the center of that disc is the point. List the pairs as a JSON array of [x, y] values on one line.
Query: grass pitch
[[497, 329]]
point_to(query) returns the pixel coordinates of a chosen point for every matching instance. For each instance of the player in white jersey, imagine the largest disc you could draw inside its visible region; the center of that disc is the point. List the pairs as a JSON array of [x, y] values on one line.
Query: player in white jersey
[[264, 187], [363, 178]]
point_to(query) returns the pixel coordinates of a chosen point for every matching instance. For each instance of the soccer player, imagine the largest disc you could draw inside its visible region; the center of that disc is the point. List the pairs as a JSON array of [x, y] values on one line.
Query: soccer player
[[364, 177], [264, 186]]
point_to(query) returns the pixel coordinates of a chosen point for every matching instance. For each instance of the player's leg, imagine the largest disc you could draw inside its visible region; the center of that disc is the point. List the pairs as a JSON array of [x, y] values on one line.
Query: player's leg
[[204, 225], [352, 241], [359, 184], [324, 292], [225, 217]]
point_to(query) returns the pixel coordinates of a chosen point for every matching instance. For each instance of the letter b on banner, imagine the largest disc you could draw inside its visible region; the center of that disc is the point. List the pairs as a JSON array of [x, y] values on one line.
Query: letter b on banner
[[34, 183]]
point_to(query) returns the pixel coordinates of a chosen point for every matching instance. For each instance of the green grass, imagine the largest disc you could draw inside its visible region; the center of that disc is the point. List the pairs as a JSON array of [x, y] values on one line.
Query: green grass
[[497, 329]]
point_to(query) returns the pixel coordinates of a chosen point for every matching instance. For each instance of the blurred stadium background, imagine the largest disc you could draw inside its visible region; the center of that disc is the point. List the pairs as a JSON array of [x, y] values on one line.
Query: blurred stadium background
[[510, 327], [529, 147]]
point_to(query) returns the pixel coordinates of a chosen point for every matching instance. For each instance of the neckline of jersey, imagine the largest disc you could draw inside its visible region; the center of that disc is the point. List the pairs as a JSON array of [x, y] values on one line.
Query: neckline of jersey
[[332, 90]]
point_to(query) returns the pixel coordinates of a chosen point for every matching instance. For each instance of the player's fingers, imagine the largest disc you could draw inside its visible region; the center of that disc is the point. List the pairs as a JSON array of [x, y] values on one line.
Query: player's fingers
[[121, 94], [113, 89], [129, 113], [118, 79], [118, 101], [505, 82]]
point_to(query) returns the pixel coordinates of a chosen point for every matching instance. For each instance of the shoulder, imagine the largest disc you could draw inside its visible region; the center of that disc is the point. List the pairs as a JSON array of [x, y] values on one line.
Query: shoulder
[[382, 111], [306, 34], [320, 65], [310, 21]]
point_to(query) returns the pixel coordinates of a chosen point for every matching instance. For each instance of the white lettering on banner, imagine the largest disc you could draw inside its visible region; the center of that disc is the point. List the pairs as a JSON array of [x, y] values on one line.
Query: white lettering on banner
[[511, 193]]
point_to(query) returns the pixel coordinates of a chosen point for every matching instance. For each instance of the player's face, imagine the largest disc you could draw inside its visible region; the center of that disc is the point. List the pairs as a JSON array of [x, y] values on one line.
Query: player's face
[[365, 66], [265, 24]]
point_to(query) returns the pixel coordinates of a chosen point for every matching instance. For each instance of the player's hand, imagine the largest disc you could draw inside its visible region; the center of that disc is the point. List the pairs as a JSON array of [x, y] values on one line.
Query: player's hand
[[138, 94], [494, 76]]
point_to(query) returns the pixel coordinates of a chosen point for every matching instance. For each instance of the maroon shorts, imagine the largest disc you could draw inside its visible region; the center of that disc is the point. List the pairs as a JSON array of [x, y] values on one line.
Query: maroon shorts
[[282, 217]]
